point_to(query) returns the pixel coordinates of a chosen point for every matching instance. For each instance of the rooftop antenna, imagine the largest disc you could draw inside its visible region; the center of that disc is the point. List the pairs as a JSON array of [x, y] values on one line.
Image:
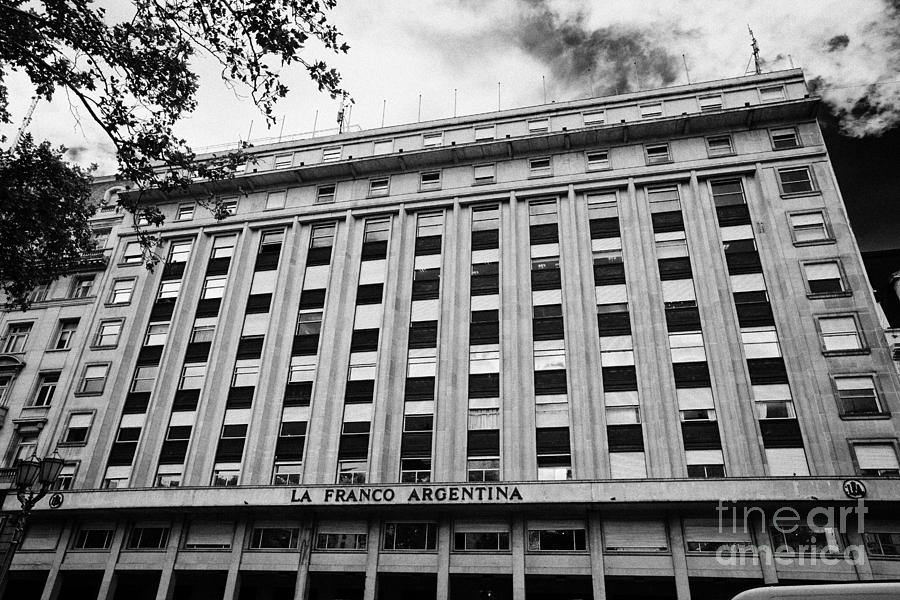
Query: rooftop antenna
[[419, 116], [315, 122], [591, 81], [250, 129], [454, 102], [383, 109], [544, 85], [498, 95], [26, 121], [686, 72], [755, 48], [637, 75], [340, 115], [281, 131]]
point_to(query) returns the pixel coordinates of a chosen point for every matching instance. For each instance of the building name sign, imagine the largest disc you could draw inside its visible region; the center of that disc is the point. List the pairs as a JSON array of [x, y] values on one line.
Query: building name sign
[[427, 494]]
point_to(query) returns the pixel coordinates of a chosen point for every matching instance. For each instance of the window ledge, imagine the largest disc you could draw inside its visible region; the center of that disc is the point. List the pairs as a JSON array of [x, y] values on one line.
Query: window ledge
[[540, 175], [279, 550], [485, 182], [79, 394], [143, 549], [856, 352], [115, 304], [128, 264], [722, 154], [49, 350], [866, 417], [824, 295], [71, 444], [802, 194], [338, 551], [660, 162], [821, 242], [93, 347]]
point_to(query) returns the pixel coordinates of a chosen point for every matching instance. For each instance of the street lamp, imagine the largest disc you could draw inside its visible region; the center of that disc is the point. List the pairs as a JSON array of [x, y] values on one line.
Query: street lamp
[[33, 479]]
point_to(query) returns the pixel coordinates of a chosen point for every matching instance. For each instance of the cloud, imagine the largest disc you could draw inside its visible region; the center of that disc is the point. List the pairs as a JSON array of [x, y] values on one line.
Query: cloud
[[838, 42]]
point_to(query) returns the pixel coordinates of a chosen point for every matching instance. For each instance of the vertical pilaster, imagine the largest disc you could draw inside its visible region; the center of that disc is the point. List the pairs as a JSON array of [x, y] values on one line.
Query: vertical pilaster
[[679, 561], [370, 591], [301, 587], [518, 537], [166, 587], [108, 583], [233, 579], [51, 586], [443, 566], [598, 572]]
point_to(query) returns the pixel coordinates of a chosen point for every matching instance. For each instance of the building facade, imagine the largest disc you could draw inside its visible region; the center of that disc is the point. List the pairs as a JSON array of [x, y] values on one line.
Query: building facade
[[585, 349]]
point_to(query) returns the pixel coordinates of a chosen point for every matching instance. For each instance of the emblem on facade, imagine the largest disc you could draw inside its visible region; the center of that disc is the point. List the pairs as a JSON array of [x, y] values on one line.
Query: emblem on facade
[[56, 500], [854, 488]]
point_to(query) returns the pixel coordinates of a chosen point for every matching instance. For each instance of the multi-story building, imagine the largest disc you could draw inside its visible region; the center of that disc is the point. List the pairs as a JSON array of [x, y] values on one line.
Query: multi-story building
[[602, 348]]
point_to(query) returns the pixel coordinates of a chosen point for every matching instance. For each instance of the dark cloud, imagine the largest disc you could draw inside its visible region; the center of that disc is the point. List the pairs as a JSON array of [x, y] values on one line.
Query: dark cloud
[[838, 42], [75, 152]]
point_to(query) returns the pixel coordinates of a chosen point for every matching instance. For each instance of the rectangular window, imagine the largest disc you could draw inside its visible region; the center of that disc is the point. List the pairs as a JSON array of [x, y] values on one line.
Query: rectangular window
[[383, 147], [276, 200], [484, 173], [710, 103], [857, 395], [727, 192], [719, 145], [595, 117], [331, 154], [223, 246], [65, 334], [148, 538], [484, 132], [796, 180], [230, 206], [157, 334], [772, 93], [81, 286], [108, 333], [274, 538], [121, 291], [784, 138], [433, 140], [657, 154], [93, 379], [93, 539], [539, 167], [179, 252], [46, 387], [185, 212], [133, 254], [331, 541], [379, 187], [538, 126], [557, 540], [213, 287], [77, 428], [410, 536], [144, 378], [168, 289], [430, 180], [883, 544], [287, 473], [485, 541], [66, 478], [246, 373], [598, 159], [824, 278], [325, 194], [809, 227], [649, 111], [284, 161], [16, 337], [192, 376], [840, 333]]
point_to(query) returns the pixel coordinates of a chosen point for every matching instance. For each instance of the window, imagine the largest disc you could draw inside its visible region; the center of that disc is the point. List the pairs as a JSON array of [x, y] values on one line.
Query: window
[[772, 93], [185, 212], [101, 238], [325, 194], [648, 111], [133, 254], [274, 538], [596, 117], [352, 472], [209, 535], [809, 227], [803, 539], [81, 286], [840, 333], [226, 475], [539, 167], [710, 103], [108, 333], [77, 429], [557, 540], [379, 187], [16, 337], [876, 459], [169, 289], [168, 476], [276, 200], [93, 539], [433, 140], [287, 473], [65, 333], [483, 468], [719, 145], [283, 161], [94, 379], [46, 387], [148, 538], [383, 147], [430, 180], [784, 138], [179, 252], [66, 478], [144, 378], [410, 536], [213, 287], [223, 246], [538, 126], [882, 544], [657, 154], [484, 132], [824, 278], [598, 159], [796, 180], [484, 173], [192, 376], [341, 541], [121, 291], [246, 373], [857, 396], [468, 541], [331, 154], [157, 333]]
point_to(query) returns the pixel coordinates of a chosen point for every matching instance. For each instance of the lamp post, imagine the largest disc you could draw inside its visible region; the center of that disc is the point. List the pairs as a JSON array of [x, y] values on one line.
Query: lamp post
[[33, 479]]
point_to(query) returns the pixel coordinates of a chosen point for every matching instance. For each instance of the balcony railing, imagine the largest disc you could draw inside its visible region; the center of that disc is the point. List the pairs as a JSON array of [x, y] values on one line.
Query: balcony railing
[[95, 260], [7, 477]]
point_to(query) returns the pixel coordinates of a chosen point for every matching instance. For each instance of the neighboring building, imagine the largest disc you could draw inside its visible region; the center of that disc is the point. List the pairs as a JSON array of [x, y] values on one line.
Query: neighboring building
[[518, 354]]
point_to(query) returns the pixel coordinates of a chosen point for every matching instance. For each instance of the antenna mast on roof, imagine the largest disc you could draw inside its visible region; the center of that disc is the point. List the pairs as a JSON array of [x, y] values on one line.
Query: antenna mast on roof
[[755, 48], [340, 115], [26, 121]]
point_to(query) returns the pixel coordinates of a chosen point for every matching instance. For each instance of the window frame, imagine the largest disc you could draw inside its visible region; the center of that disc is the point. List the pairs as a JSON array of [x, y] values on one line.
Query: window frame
[[64, 441], [429, 137], [534, 172], [826, 224], [95, 343], [845, 291], [77, 289], [322, 195], [42, 384], [374, 192], [431, 185], [111, 301], [595, 165], [813, 185], [180, 211], [7, 342], [276, 194], [880, 403], [649, 160], [863, 345], [132, 259], [431, 534], [711, 153], [772, 130], [853, 442], [484, 180], [65, 326], [82, 381]]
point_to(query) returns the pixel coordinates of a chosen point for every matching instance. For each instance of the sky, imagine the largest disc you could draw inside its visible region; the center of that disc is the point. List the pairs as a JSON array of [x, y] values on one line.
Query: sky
[[471, 56]]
